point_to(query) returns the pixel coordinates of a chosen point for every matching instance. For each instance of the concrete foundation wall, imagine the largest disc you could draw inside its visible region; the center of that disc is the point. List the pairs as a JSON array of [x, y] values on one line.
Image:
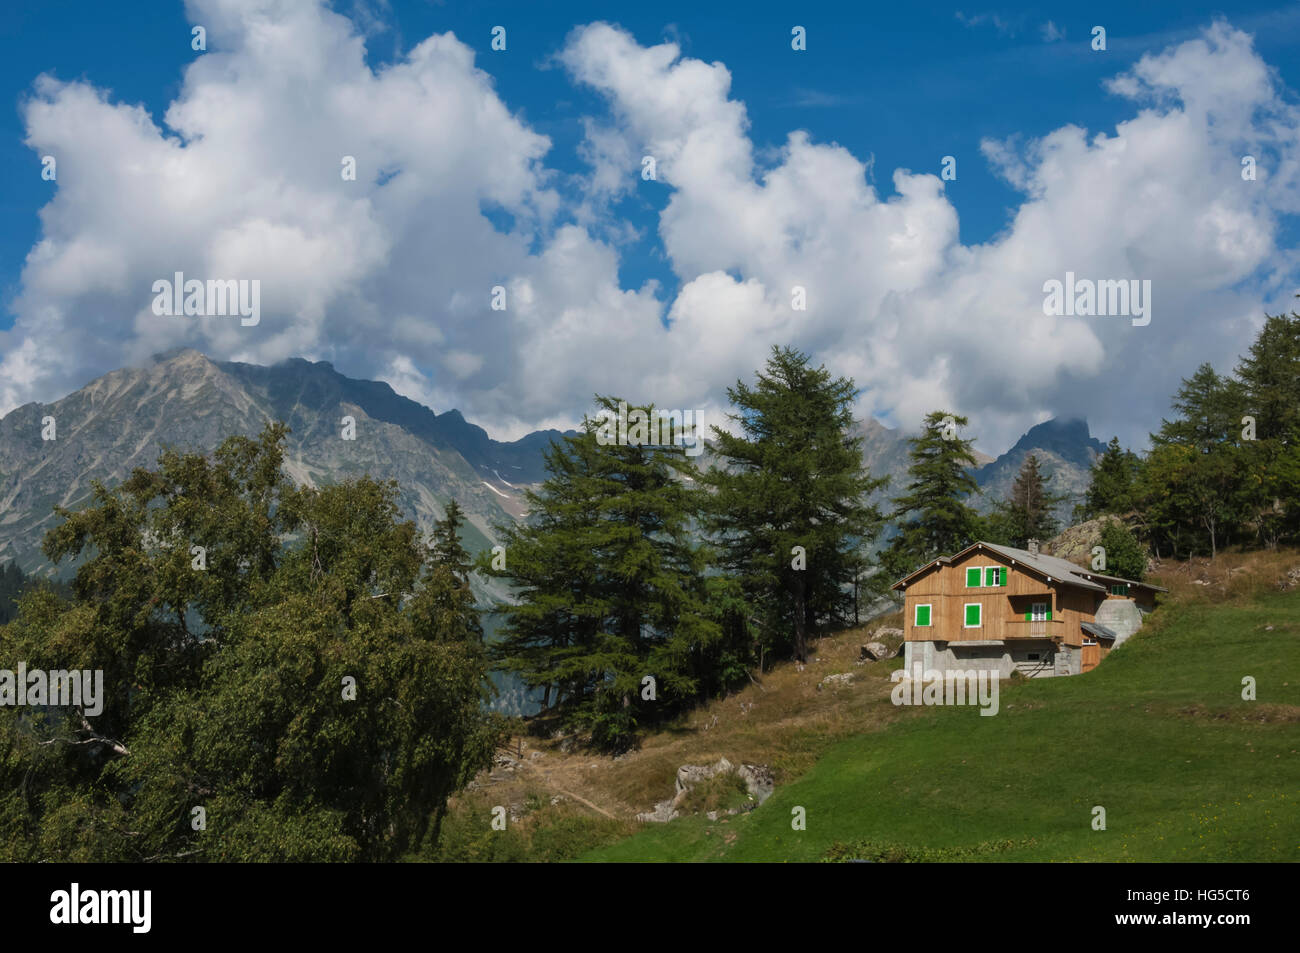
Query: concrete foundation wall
[[1121, 616], [1003, 659], [1069, 660]]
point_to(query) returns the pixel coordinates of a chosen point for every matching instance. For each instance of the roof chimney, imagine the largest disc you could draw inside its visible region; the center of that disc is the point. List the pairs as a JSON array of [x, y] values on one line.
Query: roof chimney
[[1033, 547]]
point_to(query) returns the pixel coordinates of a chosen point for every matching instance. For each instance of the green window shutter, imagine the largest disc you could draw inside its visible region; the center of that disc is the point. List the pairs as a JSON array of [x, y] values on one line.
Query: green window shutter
[[1029, 614], [1049, 614], [975, 570], [973, 615], [923, 615], [1002, 574]]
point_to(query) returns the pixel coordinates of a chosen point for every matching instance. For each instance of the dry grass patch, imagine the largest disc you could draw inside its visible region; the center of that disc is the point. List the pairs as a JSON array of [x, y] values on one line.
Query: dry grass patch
[[1231, 576], [784, 721], [781, 720]]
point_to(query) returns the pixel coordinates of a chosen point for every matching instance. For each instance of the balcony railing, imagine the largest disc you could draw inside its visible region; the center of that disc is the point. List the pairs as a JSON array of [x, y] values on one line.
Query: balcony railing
[[1033, 629]]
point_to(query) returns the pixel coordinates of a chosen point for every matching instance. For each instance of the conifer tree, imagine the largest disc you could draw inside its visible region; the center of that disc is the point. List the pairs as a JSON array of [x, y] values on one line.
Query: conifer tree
[[611, 587], [1113, 483], [1029, 505], [447, 601], [1270, 377], [789, 512], [448, 550], [933, 516], [1193, 478]]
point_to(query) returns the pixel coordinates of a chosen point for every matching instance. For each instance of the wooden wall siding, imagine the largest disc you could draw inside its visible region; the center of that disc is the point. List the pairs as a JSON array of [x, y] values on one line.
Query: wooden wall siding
[[1091, 656], [1003, 607], [944, 588], [1077, 606]]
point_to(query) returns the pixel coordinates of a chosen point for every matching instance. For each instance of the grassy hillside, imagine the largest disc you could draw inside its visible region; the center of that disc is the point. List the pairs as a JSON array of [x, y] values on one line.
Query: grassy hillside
[[1158, 735]]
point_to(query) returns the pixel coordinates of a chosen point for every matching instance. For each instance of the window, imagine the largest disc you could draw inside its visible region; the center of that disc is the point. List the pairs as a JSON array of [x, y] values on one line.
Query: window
[[1119, 589], [977, 576], [1034, 656], [974, 615], [923, 615], [1089, 642], [1038, 612]]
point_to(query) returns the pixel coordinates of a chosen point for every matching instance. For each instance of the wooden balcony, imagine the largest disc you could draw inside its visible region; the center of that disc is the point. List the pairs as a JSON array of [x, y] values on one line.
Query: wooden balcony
[[1037, 629]]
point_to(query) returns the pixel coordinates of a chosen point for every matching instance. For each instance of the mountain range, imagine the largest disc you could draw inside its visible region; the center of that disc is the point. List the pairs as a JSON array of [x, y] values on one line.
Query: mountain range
[[1065, 449], [186, 400]]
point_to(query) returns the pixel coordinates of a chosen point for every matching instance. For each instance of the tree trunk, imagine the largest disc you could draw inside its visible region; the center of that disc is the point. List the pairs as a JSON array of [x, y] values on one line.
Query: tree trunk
[[800, 622]]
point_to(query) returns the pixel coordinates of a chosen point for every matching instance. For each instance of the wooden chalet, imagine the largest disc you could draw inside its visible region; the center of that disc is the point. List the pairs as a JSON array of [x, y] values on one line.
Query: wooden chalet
[[992, 606]]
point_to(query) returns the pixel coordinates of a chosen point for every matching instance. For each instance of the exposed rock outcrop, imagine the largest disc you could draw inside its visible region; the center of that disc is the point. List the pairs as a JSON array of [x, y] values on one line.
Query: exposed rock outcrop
[[843, 679], [758, 778], [875, 651]]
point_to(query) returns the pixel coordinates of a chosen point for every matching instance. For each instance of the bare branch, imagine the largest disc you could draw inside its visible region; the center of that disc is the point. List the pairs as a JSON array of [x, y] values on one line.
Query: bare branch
[[92, 737]]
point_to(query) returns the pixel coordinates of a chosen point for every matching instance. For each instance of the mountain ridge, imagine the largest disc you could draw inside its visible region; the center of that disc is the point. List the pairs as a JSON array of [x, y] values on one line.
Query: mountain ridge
[[182, 398], [1066, 451], [123, 419]]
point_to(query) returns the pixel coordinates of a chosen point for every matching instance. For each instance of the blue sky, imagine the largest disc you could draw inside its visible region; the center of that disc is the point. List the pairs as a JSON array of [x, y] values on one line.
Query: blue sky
[[896, 87], [886, 81]]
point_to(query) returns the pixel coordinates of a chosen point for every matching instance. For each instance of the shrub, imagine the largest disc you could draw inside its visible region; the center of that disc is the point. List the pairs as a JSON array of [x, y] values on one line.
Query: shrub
[[1125, 556]]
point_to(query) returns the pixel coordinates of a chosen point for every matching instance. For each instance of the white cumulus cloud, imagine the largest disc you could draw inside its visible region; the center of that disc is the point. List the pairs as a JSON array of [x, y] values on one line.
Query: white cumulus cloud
[[391, 276]]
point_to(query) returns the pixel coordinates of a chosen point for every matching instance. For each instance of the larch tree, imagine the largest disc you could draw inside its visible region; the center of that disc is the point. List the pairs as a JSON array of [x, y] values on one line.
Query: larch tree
[[789, 512]]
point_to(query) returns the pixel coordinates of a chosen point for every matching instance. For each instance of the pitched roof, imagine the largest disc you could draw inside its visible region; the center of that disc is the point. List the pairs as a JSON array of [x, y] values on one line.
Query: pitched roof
[[1048, 565], [1131, 582], [1045, 565]]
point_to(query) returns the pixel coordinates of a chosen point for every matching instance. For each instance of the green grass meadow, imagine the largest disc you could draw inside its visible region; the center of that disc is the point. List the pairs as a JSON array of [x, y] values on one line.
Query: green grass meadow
[[1158, 734]]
